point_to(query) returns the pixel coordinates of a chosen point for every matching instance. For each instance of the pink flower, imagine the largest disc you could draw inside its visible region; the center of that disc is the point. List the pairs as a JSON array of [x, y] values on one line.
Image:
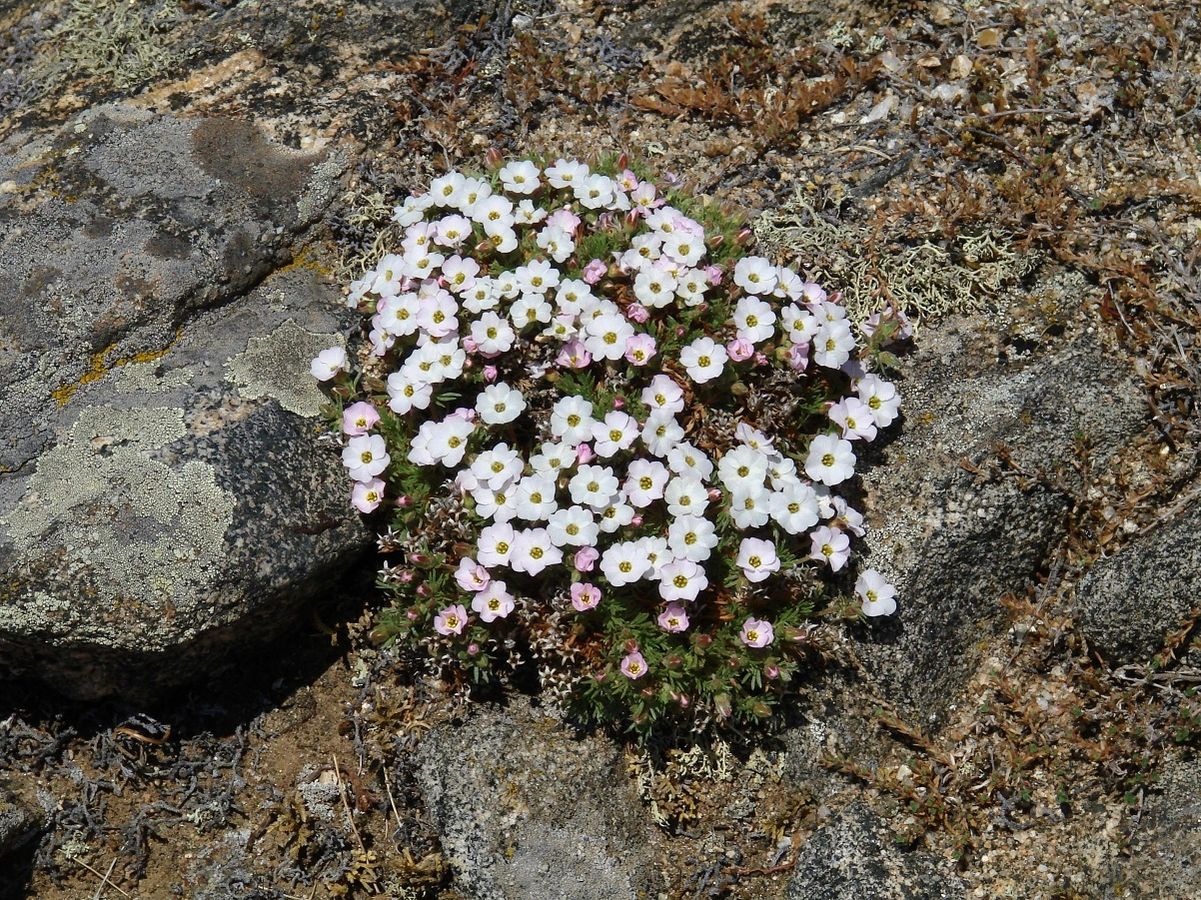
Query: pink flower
[[359, 418], [674, 618], [573, 355], [471, 576], [798, 356], [633, 666], [757, 633], [367, 495], [469, 345], [584, 596], [584, 454], [760, 359], [714, 274], [595, 271], [490, 374], [466, 413], [636, 312], [585, 559], [563, 218], [451, 620], [740, 349]]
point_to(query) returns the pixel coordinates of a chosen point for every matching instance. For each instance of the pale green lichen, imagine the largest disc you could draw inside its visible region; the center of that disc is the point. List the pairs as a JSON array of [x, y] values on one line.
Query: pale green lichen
[[144, 528], [926, 280], [277, 366]]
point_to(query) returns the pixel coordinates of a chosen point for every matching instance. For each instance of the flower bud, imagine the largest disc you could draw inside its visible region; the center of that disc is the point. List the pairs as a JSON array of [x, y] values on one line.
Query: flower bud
[[404, 501], [493, 158], [771, 671], [490, 373], [744, 236], [723, 706], [473, 649], [636, 521], [411, 615], [761, 710], [423, 591], [484, 247], [619, 402], [716, 241], [704, 640], [632, 218], [623, 161], [406, 577], [631, 646], [673, 661], [418, 559]]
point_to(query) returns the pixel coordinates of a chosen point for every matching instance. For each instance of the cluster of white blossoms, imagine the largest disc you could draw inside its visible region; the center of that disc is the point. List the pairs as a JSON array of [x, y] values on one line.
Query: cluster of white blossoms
[[487, 295]]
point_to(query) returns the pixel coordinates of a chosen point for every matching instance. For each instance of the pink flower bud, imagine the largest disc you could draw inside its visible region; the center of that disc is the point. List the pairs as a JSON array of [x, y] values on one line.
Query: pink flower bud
[[636, 521], [490, 374], [631, 646], [594, 271], [423, 590], [636, 312], [406, 577], [760, 359], [585, 559], [623, 161], [740, 349], [466, 413], [744, 236], [772, 671], [584, 454], [469, 345], [473, 649], [632, 217], [798, 356], [619, 402], [419, 559], [714, 494], [404, 501], [411, 615], [493, 158], [679, 331], [484, 247]]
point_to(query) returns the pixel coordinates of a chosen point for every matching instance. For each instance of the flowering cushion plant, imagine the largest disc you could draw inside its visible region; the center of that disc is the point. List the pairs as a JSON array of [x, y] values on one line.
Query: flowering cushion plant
[[608, 440]]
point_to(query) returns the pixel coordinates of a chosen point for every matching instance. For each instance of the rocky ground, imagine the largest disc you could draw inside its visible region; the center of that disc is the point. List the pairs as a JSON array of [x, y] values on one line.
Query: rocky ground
[[195, 708]]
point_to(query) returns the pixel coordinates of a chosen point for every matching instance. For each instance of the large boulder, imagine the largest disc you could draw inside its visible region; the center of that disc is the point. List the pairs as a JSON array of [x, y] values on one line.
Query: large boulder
[[853, 857], [968, 501], [524, 809], [1131, 601], [162, 494]]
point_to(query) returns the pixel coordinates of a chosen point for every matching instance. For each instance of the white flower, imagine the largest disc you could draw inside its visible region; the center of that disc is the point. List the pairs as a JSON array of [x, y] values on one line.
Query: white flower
[[530, 308], [595, 191], [833, 343], [566, 173], [556, 242], [366, 456], [405, 395], [661, 434], [830, 461], [499, 403], [537, 277], [754, 319], [692, 537], [742, 469], [755, 275], [447, 189], [421, 263], [571, 420], [682, 579], [412, 210], [471, 576], [654, 287], [594, 486], [553, 459], [855, 417], [830, 545], [605, 336], [459, 273], [499, 504], [794, 508], [798, 325], [533, 551], [757, 559], [749, 507], [881, 398], [691, 286], [788, 284], [451, 231], [753, 438], [492, 334], [685, 459], [685, 248], [572, 296], [574, 526], [519, 177], [645, 482], [495, 545], [623, 563], [615, 516], [397, 314], [448, 439], [663, 395], [481, 296], [781, 470], [328, 363], [686, 496], [536, 498], [704, 359], [493, 602], [878, 596], [436, 314], [617, 432], [656, 552], [496, 466]]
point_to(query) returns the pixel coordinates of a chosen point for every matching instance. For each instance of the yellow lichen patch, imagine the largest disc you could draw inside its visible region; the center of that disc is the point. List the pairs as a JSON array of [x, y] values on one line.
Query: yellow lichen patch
[[101, 366], [305, 260]]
